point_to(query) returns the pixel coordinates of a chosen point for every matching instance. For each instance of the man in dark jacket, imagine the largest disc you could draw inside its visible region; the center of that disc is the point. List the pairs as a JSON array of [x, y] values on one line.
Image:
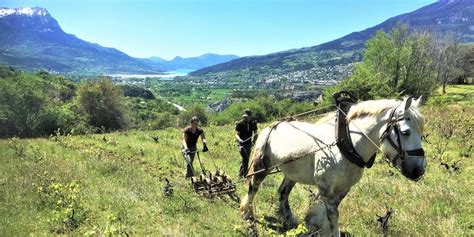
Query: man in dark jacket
[[189, 147], [246, 134]]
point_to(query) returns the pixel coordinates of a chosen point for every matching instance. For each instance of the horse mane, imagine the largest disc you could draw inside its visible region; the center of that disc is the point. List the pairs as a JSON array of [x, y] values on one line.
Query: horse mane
[[377, 107], [370, 108]]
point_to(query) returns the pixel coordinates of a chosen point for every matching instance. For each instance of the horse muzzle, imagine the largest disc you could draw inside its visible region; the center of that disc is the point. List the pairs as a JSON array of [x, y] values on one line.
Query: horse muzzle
[[414, 164]]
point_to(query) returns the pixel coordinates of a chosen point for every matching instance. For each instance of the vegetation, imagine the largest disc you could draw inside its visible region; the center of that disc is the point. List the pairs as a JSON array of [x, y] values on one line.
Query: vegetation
[[264, 109], [33, 105], [404, 63], [137, 91], [112, 184], [39, 104], [103, 104]]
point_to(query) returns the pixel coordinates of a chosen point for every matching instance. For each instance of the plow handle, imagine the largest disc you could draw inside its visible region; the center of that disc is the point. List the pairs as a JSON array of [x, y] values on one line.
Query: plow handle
[[200, 163]]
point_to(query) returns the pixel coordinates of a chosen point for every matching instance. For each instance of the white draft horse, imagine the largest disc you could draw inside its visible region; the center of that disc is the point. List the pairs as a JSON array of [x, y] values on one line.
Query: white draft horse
[[394, 126]]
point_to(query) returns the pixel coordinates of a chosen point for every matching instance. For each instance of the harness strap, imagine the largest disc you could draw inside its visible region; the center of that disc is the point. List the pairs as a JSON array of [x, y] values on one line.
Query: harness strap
[[417, 152], [392, 123]]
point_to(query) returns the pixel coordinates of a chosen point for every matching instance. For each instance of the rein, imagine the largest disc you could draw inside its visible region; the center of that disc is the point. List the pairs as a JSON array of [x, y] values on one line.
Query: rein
[[272, 126], [350, 153]]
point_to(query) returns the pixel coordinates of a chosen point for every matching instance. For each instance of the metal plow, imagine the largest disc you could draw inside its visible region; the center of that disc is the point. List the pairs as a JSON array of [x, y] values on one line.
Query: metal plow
[[212, 185]]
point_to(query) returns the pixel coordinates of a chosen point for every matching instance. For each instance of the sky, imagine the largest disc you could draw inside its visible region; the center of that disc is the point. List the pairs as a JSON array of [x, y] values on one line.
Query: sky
[[169, 28]]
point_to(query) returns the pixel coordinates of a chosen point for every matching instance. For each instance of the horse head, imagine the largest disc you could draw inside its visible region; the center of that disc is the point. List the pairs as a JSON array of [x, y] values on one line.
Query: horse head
[[401, 139]]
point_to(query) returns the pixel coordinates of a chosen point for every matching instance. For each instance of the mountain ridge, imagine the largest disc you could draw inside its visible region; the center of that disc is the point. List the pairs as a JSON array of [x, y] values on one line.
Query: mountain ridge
[[31, 39], [194, 63], [442, 16]]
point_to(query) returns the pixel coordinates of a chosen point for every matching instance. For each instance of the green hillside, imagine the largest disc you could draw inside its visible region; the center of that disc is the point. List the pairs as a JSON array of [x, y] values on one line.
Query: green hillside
[[113, 184]]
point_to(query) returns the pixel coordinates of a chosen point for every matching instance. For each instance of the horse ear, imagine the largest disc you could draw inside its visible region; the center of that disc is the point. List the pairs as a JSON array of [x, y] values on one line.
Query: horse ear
[[418, 102], [407, 103]]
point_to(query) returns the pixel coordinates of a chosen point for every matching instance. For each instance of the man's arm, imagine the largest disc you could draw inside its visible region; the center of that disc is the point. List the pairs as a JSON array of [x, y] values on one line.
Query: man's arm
[[203, 138], [204, 142], [255, 133], [237, 136], [184, 141]]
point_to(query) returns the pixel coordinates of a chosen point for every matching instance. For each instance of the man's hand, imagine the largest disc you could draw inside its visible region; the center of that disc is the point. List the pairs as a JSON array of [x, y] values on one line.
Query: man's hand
[[254, 139], [204, 147], [185, 150]]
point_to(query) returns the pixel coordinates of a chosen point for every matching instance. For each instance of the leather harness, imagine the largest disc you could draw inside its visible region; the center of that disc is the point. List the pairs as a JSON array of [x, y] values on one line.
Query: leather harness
[[344, 100]]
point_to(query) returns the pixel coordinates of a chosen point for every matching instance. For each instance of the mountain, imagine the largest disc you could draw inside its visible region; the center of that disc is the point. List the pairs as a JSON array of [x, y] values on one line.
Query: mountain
[[333, 60], [30, 38], [194, 63]]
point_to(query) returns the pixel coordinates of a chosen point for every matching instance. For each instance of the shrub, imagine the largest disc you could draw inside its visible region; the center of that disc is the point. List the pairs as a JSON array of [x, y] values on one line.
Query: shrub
[[195, 110], [65, 201], [103, 104]]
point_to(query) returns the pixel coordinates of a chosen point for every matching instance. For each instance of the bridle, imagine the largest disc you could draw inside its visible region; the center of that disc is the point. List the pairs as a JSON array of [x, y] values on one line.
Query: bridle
[[393, 125]]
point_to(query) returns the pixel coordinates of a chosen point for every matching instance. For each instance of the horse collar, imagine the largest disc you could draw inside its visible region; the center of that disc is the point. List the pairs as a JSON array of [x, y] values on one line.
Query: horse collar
[[343, 135]]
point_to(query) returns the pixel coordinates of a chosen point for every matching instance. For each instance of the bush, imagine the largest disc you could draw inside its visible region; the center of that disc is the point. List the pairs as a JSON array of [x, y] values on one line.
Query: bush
[[22, 103], [35, 104], [162, 121], [103, 104], [264, 109], [136, 91], [65, 201], [195, 110]]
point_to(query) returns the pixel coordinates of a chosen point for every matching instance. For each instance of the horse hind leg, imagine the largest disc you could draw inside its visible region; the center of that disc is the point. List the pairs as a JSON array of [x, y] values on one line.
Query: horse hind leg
[[284, 210]]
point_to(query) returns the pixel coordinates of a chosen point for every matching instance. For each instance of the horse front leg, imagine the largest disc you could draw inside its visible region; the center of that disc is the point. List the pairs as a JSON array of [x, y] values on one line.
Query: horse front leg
[[331, 203], [284, 209], [323, 214], [332, 213], [323, 217], [246, 207], [316, 219]]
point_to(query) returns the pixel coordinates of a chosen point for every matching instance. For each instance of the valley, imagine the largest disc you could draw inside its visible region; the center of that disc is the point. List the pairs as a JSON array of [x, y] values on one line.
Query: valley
[[92, 140]]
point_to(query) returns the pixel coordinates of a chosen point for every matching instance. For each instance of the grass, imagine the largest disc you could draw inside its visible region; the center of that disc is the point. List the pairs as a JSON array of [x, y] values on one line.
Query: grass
[[120, 179], [455, 94]]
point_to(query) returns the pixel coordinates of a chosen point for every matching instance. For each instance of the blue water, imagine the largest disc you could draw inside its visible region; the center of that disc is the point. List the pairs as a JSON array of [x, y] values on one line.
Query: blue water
[[180, 72]]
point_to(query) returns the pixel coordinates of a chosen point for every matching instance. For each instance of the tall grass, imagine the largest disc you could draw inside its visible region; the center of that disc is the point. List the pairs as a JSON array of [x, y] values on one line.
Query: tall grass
[[112, 184]]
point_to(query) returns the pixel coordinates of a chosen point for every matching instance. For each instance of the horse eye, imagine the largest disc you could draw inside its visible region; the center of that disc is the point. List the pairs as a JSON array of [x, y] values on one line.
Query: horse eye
[[407, 118], [405, 133]]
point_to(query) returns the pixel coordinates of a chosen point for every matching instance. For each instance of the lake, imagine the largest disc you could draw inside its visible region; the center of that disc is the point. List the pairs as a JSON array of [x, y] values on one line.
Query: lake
[[168, 75]]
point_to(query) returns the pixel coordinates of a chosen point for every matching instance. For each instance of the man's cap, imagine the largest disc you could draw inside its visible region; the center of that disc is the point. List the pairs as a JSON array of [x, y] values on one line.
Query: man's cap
[[248, 112]]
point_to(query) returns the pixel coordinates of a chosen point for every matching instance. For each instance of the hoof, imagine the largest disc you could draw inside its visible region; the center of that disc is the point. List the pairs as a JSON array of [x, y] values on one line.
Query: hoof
[[289, 223], [247, 213]]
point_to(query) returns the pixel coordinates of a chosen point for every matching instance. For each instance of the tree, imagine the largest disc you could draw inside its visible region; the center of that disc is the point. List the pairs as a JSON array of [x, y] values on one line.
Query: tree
[[452, 60], [34, 104], [195, 110], [394, 64], [21, 103], [103, 104]]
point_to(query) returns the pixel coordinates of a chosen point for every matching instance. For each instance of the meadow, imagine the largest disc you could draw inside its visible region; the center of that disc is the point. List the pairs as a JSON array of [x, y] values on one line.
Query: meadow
[[114, 184]]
